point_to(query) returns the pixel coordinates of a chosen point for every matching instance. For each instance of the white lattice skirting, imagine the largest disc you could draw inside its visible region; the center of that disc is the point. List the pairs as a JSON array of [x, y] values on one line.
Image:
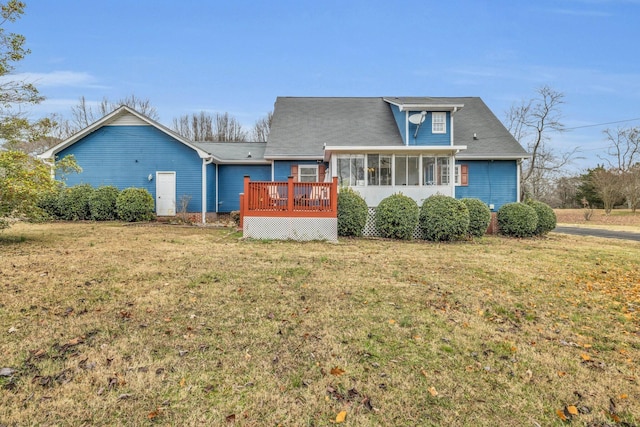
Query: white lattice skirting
[[370, 227], [290, 228]]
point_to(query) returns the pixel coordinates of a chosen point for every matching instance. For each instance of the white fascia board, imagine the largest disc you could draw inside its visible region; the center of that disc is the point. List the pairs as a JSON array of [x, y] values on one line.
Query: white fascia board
[[428, 149], [220, 161], [430, 107], [279, 157], [487, 157]]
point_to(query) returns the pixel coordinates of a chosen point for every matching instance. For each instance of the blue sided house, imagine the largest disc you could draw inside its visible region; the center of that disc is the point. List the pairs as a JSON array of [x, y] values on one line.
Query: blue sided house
[[378, 146]]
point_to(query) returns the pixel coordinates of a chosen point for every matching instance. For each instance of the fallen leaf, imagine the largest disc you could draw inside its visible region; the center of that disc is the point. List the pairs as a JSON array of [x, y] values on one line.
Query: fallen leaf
[[613, 416], [572, 410], [561, 373], [561, 415], [337, 371], [623, 396], [231, 418], [153, 414], [433, 391], [342, 415], [183, 382], [391, 321], [585, 357]]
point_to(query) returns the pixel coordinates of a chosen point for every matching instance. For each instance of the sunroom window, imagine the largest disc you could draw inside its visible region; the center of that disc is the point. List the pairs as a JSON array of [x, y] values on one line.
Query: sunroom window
[[378, 169], [351, 169], [407, 170], [436, 170]]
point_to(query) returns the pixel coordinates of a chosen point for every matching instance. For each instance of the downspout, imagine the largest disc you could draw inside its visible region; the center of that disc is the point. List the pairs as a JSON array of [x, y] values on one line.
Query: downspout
[[518, 170], [406, 125], [205, 162], [453, 157], [453, 113], [217, 188]]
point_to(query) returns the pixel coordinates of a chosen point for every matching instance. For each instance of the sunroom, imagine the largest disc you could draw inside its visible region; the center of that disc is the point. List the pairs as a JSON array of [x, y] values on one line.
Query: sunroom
[[415, 171]]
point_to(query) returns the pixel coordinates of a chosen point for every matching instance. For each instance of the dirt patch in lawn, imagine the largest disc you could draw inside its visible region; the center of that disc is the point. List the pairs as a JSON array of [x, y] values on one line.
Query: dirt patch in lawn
[[102, 324]]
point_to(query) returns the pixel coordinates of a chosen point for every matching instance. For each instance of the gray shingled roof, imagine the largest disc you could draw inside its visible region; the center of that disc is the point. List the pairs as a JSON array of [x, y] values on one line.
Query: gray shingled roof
[[301, 126], [493, 139], [234, 151]]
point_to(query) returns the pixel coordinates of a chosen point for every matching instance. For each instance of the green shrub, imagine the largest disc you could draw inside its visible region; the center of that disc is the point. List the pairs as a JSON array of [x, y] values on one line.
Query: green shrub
[[135, 204], [479, 216], [546, 217], [352, 213], [102, 203], [443, 218], [74, 202], [49, 202], [397, 217], [517, 220]]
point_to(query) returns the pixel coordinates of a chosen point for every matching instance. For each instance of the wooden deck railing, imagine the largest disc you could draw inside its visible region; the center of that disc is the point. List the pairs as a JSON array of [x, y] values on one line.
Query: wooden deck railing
[[289, 199]]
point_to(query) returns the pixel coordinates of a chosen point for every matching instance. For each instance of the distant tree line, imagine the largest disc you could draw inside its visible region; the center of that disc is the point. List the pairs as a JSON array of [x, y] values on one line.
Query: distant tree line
[[35, 138]]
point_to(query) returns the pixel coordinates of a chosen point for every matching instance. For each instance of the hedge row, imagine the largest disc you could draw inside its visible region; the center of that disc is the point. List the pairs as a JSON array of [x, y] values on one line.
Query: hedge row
[[441, 218], [106, 203], [526, 219]]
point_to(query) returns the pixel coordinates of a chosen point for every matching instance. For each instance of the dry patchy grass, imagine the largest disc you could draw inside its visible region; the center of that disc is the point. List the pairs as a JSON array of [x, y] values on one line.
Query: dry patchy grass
[[618, 219], [106, 324]]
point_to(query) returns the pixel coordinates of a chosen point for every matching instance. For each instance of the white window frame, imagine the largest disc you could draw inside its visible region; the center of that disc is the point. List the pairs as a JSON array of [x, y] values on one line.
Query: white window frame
[[315, 174], [439, 122], [458, 174]]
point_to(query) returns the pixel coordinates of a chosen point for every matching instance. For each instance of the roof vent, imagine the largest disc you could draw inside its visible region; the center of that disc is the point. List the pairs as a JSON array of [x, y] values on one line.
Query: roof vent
[[475, 136], [249, 155]]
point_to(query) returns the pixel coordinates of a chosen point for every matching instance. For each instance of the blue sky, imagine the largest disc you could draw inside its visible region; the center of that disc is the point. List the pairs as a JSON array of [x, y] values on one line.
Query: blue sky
[[238, 56]]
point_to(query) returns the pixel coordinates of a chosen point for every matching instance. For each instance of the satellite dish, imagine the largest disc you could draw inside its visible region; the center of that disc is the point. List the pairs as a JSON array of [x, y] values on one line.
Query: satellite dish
[[418, 118]]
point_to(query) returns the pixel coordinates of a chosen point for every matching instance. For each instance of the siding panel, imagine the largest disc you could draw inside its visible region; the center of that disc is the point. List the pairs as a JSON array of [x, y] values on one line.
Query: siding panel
[[425, 136], [493, 182], [125, 156], [231, 183]]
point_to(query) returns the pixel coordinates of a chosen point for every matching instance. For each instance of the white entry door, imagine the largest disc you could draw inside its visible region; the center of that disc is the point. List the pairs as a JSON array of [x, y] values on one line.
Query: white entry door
[[165, 193]]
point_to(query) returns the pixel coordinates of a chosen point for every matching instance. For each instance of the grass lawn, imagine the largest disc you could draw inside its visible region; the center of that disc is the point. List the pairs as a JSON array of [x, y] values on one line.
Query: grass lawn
[[618, 219], [107, 324]]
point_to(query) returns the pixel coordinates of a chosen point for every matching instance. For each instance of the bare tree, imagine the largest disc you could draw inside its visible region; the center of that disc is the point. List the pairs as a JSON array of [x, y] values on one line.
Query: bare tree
[[531, 123], [262, 127], [623, 157], [220, 127], [607, 185], [567, 192], [83, 114]]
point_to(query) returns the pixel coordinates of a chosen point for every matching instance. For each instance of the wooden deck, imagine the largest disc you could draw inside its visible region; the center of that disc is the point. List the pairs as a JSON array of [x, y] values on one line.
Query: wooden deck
[[289, 199]]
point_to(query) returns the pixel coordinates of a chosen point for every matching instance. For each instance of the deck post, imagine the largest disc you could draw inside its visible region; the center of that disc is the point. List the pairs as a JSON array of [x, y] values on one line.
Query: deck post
[[290, 194], [334, 196], [244, 200]]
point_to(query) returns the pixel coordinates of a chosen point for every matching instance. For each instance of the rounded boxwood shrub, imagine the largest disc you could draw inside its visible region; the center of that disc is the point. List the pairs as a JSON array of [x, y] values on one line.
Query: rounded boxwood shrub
[[135, 204], [49, 202], [546, 217], [102, 203], [74, 202], [352, 213], [517, 220], [397, 217], [443, 218], [479, 216]]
